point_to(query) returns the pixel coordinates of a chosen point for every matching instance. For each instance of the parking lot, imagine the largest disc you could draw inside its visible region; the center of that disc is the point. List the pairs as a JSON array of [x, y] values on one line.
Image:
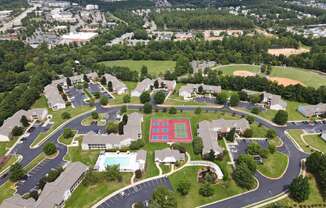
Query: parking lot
[[76, 96], [96, 88], [308, 126], [242, 146], [139, 193]]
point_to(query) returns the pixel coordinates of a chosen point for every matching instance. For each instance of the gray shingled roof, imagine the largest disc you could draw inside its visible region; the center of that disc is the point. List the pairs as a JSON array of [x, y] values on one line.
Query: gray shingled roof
[[143, 85], [274, 99], [141, 155], [53, 193], [116, 83], [310, 110], [190, 88], [167, 152], [52, 95]]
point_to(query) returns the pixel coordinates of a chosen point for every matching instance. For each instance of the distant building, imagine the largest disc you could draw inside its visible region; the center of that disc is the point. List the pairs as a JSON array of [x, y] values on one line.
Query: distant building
[[313, 110], [91, 7], [54, 99], [148, 84], [181, 36], [201, 65], [168, 155], [323, 136], [78, 37], [274, 102], [131, 132], [118, 86], [9, 124], [187, 91], [55, 193], [121, 40], [210, 131]]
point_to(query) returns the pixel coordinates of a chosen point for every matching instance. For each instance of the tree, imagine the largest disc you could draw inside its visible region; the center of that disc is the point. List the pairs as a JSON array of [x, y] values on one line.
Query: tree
[[65, 115], [85, 78], [163, 198], [68, 81], [145, 97], [248, 133], [112, 128], [136, 145], [143, 73], [159, 97], [16, 172], [50, 148], [255, 110], [206, 190], [270, 134], [243, 176], [113, 173], [299, 189], [156, 84], [68, 133], [247, 160], [110, 86], [255, 98], [231, 135], [253, 149], [90, 178], [271, 148], [234, 100], [95, 115], [60, 89], [183, 187], [200, 89], [198, 110], [103, 80], [126, 99], [17, 131], [97, 95], [104, 100], [172, 110], [281, 117], [125, 119], [313, 162], [123, 109], [85, 85], [197, 145], [138, 173], [250, 119], [24, 121], [148, 108], [221, 98]]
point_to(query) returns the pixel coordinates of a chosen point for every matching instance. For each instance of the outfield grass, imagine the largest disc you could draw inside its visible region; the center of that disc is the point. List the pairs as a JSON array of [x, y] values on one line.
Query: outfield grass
[[7, 190], [274, 166], [154, 67], [86, 196], [314, 200], [316, 142], [295, 133], [222, 189], [58, 120], [307, 77]]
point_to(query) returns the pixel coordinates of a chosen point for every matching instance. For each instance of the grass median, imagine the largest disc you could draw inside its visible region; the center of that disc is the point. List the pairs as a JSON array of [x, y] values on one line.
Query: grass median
[[274, 166]]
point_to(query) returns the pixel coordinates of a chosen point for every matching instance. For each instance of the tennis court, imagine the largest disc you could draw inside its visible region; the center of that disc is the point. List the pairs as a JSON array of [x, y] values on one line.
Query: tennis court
[[170, 130]]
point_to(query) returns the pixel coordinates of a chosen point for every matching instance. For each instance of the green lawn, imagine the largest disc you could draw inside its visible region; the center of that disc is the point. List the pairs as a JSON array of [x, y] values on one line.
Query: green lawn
[[4, 146], [86, 196], [154, 67], [222, 189], [316, 142], [40, 103], [88, 157], [165, 168], [258, 131], [58, 120], [67, 141], [307, 77], [295, 133], [10, 162], [274, 166], [276, 141], [100, 121], [6, 190], [314, 200], [119, 98]]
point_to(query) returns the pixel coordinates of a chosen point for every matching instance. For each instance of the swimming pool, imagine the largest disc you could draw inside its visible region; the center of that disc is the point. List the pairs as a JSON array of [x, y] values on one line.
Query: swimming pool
[[127, 162]]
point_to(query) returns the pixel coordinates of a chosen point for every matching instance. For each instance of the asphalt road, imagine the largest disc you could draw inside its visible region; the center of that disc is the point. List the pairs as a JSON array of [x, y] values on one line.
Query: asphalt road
[[267, 187]]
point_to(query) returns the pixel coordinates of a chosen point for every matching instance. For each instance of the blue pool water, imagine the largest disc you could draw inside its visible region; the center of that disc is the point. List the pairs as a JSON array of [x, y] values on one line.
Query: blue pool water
[[122, 161]]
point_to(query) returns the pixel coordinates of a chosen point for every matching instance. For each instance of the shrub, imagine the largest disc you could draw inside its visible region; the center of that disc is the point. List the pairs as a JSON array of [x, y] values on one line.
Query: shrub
[[255, 110], [17, 131], [250, 119], [123, 109], [281, 117], [16, 172], [138, 173], [271, 148], [248, 133], [65, 115], [206, 190], [95, 115], [243, 176], [234, 100], [68, 133], [50, 149], [299, 189], [126, 99], [148, 108], [183, 187], [198, 110], [135, 145], [112, 128], [104, 100], [172, 110], [159, 97], [145, 97]]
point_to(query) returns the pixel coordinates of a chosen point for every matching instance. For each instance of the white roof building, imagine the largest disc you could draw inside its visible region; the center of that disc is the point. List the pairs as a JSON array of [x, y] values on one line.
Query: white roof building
[[146, 85], [168, 155], [78, 37], [118, 86], [188, 90], [54, 99]]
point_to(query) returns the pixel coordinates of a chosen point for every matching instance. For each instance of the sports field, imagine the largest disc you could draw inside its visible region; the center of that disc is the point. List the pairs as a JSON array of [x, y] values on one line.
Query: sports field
[[305, 76], [170, 130], [154, 67]]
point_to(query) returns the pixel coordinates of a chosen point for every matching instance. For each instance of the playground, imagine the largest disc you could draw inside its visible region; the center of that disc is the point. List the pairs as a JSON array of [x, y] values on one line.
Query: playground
[[170, 130]]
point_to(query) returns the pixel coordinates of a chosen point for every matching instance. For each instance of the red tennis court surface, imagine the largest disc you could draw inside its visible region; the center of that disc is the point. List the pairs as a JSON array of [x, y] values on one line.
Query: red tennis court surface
[[170, 130]]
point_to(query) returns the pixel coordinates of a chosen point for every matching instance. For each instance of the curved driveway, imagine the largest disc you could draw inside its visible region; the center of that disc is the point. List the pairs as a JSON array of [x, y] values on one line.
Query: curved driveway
[[267, 188]]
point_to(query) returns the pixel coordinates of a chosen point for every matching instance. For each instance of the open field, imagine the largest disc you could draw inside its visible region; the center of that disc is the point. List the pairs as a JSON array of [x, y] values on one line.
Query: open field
[[154, 67], [274, 166], [316, 142], [307, 77], [287, 51], [222, 189], [86, 196]]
